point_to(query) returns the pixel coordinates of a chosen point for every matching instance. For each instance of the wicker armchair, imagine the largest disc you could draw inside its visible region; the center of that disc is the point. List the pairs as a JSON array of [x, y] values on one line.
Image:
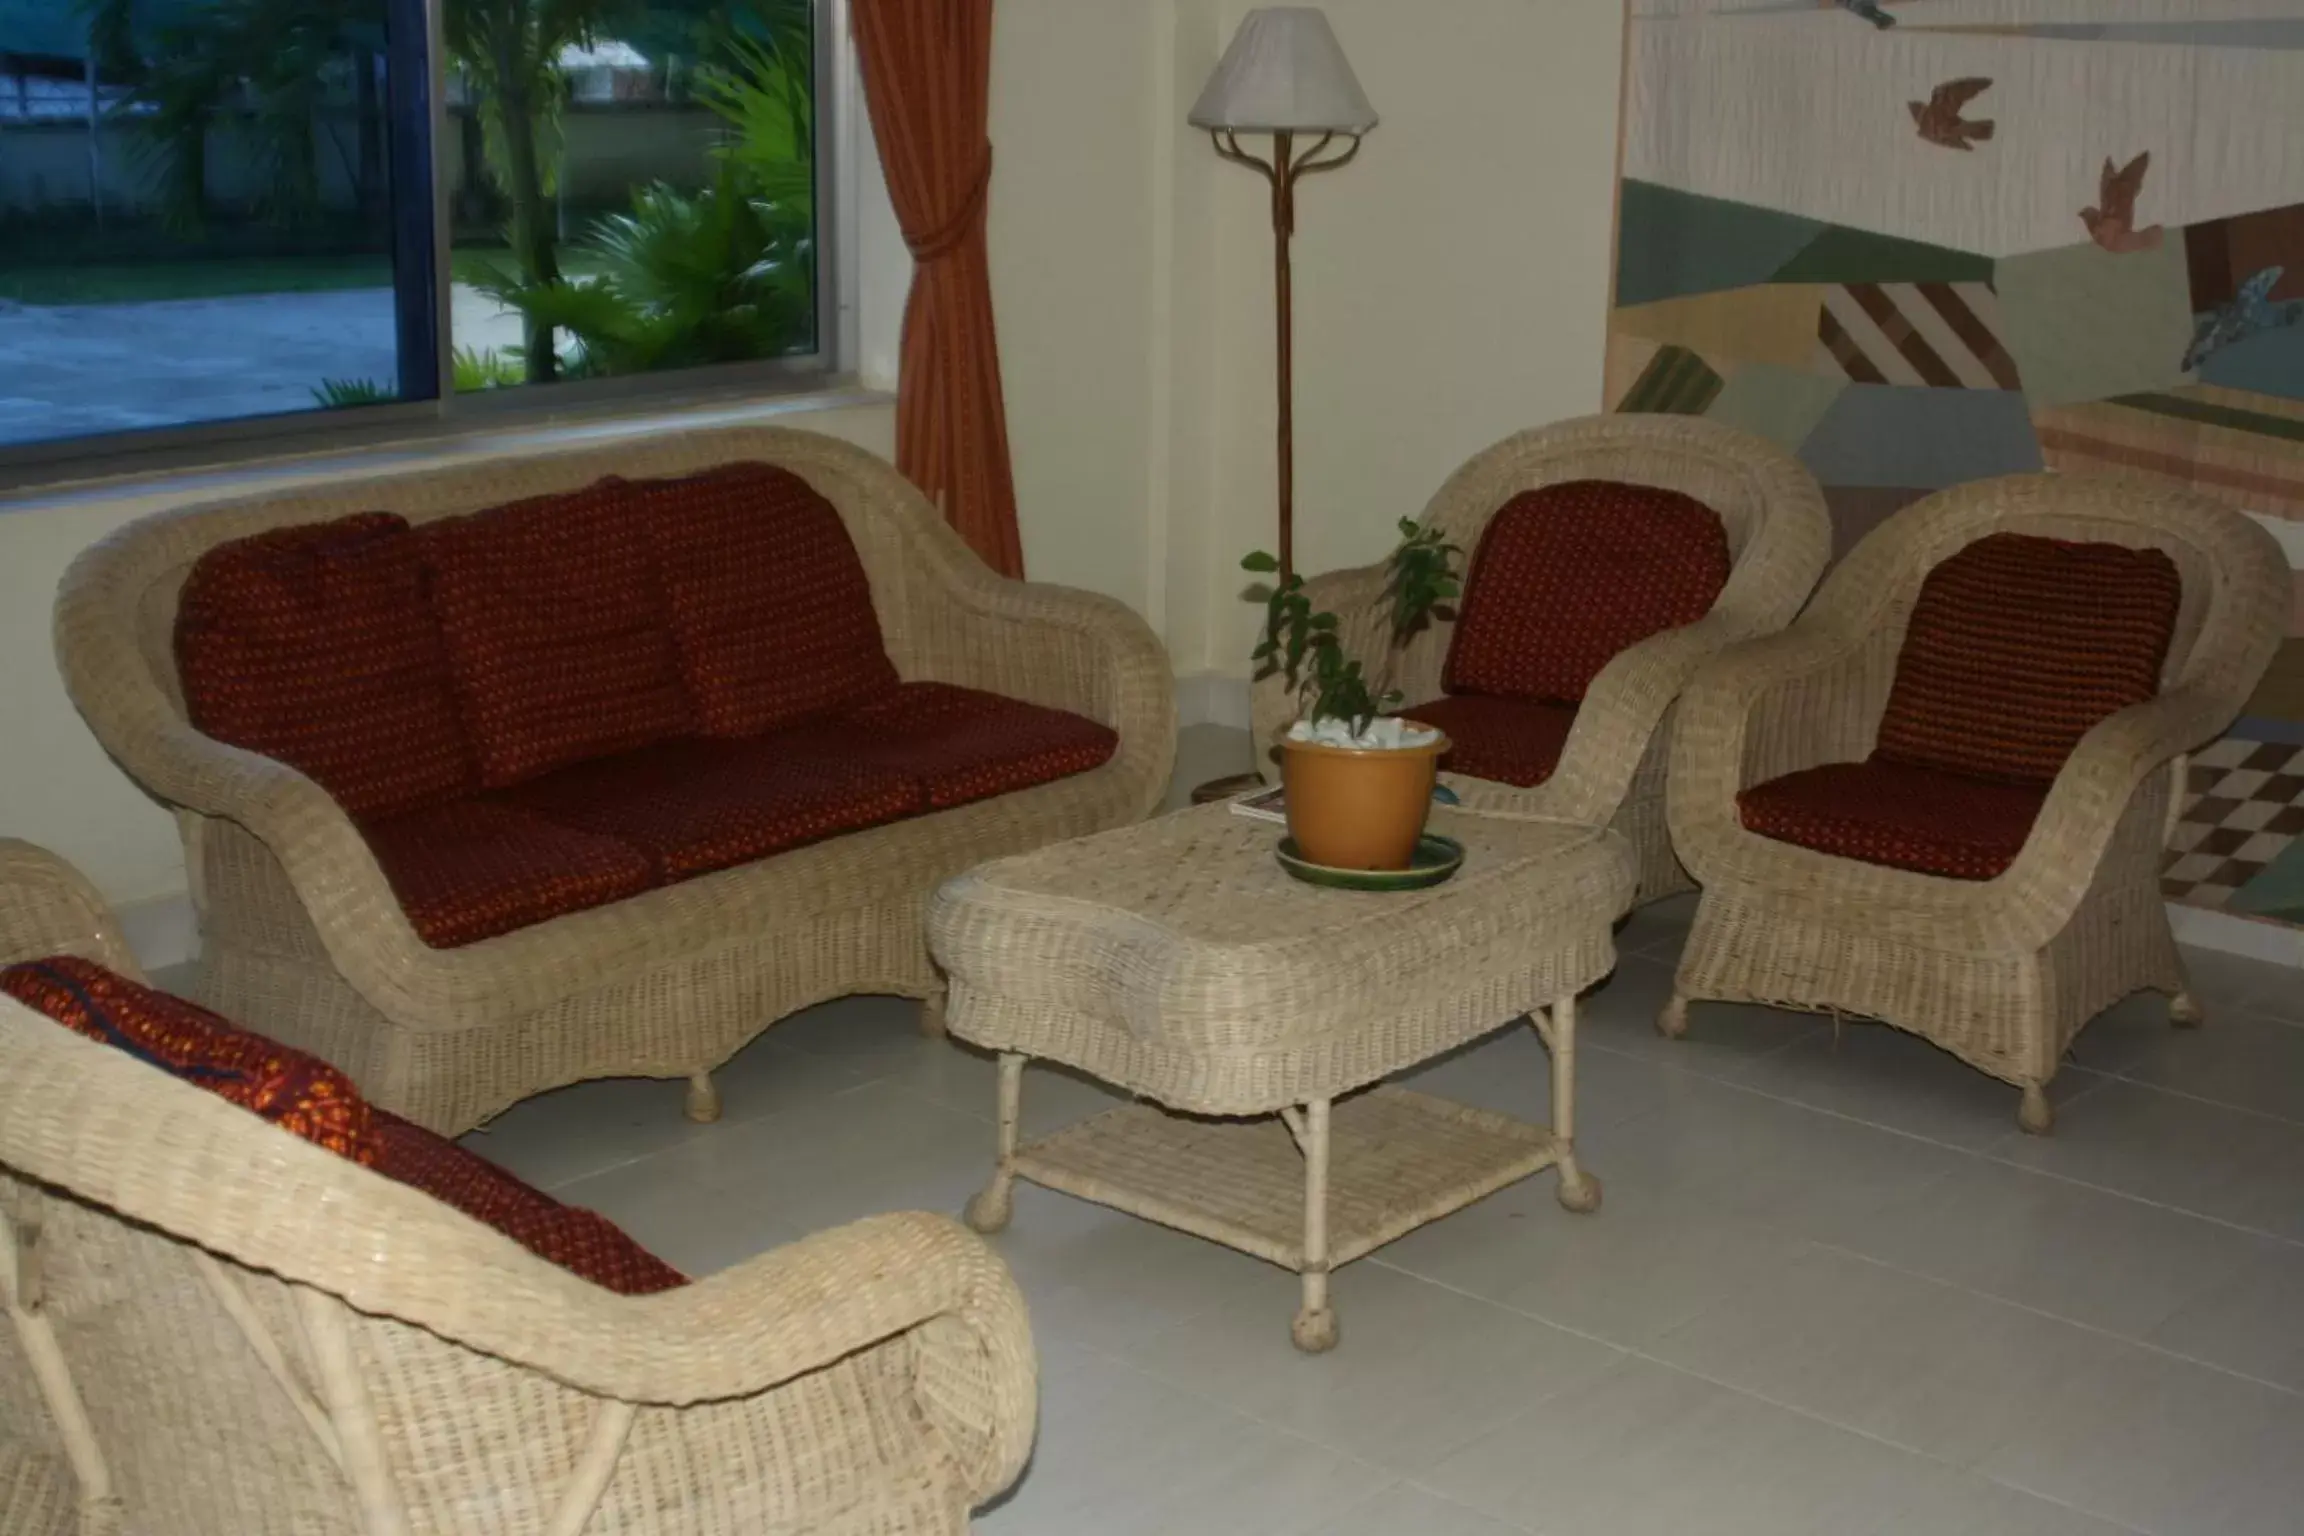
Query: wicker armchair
[[1612, 769], [2002, 972], [303, 939], [220, 1329]]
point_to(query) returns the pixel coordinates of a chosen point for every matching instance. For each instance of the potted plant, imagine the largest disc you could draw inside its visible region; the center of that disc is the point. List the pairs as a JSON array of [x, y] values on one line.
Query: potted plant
[[1358, 782]]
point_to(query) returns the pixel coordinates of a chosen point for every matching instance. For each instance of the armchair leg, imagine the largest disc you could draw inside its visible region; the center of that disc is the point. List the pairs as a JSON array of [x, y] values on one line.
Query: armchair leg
[[2035, 1116], [932, 1015], [703, 1105], [2185, 1012], [1672, 1021]]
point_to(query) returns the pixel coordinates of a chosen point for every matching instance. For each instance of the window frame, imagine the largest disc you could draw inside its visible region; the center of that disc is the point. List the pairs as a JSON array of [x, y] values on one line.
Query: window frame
[[421, 139]]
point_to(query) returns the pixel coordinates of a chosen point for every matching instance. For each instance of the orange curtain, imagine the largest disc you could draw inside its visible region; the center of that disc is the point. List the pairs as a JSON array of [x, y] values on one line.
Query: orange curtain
[[927, 68]]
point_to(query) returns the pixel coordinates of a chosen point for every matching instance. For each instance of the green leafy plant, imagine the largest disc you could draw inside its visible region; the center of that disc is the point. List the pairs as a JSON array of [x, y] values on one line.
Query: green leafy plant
[[478, 369], [337, 394], [720, 276], [765, 94], [1421, 579]]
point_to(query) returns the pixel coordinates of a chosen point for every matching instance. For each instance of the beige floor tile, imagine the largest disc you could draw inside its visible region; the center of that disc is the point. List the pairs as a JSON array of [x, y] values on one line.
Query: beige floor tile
[[2251, 1320], [1422, 1370], [1721, 1037], [1645, 1450], [2080, 1253], [2243, 1059], [1947, 1502], [1659, 928], [1122, 1454], [1510, 1072], [1639, 1266], [2166, 1446], [1404, 1510], [1884, 1075], [1941, 1371], [695, 1227], [2196, 1156]]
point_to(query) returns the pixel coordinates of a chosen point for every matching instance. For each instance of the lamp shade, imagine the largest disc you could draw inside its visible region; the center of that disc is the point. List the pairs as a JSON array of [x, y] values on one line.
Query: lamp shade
[[1284, 73]]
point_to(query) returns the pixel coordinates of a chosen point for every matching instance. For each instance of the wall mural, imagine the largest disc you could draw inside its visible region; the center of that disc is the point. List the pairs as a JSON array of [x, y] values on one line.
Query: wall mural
[[1923, 241]]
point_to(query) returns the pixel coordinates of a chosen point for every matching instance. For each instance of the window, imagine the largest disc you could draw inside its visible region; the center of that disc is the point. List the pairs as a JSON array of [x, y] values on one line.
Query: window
[[235, 217]]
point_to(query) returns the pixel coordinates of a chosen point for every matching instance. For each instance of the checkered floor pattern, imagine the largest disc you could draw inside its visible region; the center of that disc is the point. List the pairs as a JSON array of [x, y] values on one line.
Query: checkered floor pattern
[[2244, 804]]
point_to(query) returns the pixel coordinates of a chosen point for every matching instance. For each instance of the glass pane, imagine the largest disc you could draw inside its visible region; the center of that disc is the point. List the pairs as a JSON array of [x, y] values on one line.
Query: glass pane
[[633, 186], [195, 214]]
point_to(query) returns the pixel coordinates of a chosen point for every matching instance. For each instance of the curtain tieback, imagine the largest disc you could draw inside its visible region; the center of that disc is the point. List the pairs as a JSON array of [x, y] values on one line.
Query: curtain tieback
[[941, 241]]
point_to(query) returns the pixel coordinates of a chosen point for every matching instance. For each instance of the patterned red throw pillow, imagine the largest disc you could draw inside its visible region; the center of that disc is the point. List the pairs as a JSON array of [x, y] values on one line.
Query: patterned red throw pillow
[[301, 1094], [315, 645], [305, 1096], [559, 636], [1507, 741], [769, 601], [2018, 645], [1568, 575]]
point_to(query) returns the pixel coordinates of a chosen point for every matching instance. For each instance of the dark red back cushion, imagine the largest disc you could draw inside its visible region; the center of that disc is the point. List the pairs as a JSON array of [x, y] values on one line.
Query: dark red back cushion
[[769, 601], [1568, 575], [301, 1094], [2018, 645], [559, 636], [315, 645], [309, 1098], [582, 1242]]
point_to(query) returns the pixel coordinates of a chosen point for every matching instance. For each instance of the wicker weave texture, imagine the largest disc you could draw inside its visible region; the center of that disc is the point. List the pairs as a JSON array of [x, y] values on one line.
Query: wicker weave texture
[[304, 941], [2001, 972], [1611, 772], [260, 1337], [1177, 959]]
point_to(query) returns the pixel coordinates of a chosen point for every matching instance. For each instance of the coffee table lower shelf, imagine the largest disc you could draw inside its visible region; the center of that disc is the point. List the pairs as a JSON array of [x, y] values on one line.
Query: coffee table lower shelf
[[1308, 1191]]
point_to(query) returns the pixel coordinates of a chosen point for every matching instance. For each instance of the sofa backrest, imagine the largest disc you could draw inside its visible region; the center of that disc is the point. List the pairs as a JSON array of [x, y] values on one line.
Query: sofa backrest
[[399, 665]]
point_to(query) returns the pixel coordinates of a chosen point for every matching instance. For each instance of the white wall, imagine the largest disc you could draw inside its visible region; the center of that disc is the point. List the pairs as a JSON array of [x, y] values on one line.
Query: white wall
[[1451, 287]]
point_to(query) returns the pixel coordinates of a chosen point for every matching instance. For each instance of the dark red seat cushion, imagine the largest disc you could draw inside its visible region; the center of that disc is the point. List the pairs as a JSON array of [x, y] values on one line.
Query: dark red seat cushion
[[694, 806], [582, 1242], [1896, 814], [1568, 575], [1512, 741], [309, 1098], [314, 645], [962, 744], [472, 869], [2017, 645], [301, 1094], [769, 601], [559, 635]]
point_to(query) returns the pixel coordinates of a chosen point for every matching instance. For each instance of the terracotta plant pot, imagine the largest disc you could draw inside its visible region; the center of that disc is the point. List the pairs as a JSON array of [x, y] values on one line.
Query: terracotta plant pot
[[1359, 808]]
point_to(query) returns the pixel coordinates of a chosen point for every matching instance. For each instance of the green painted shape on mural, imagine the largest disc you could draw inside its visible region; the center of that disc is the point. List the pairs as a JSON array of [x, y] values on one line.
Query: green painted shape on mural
[[1671, 244], [1780, 404], [2084, 324], [2278, 889], [1676, 382], [2209, 413], [1842, 255]]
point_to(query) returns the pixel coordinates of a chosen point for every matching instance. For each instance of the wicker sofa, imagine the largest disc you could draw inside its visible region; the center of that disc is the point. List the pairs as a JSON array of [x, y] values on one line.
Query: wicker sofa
[[1962, 835], [319, 927], [216, 1328], [1598, 754]]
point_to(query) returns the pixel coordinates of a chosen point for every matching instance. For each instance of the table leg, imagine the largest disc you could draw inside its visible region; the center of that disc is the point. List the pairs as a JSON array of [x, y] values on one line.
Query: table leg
[[1315, 1327], [989, 1209], [1579, 1191]]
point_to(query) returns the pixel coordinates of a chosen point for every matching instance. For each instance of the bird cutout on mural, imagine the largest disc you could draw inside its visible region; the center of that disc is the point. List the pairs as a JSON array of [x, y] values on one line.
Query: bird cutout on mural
[[1939, 116], [2251, 313], [2112, 222], [1870, 10]]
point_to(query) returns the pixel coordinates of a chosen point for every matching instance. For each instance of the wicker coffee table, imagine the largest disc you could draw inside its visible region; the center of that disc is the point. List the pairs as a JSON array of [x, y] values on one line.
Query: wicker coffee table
[[1177, 960]]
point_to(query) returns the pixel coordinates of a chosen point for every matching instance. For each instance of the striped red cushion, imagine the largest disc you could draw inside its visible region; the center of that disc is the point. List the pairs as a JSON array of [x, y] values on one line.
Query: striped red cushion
[[1567, 576], [314, 645], [2017, 645], [307, 1097], [962, 744], [472, 869]]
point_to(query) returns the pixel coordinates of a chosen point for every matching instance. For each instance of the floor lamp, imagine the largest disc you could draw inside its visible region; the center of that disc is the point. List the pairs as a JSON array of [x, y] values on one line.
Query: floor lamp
[[1284, 75]]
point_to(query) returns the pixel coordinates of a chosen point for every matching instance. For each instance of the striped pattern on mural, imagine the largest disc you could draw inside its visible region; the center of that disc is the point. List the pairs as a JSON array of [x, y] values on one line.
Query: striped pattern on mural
[[2238, 447], [1932, 335], [1676, 382]]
